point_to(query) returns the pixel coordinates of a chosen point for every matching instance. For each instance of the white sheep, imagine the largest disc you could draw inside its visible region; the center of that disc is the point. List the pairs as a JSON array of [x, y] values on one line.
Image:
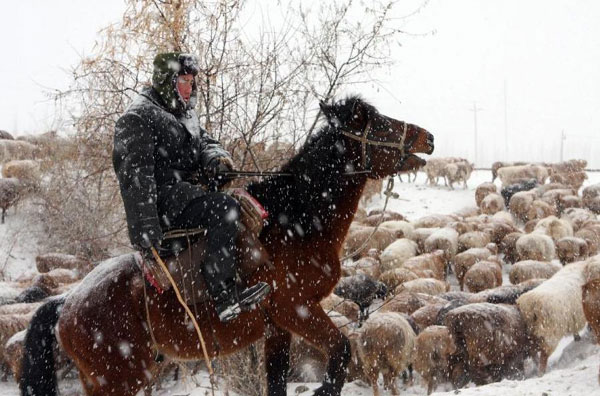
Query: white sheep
[[429, 286], [17, 150], [513, 174], [397, 253], [402, 229], [385, 346], [445, 239], [553, 310], [358, 235], [535, 246], [531, 269], [554, 227]]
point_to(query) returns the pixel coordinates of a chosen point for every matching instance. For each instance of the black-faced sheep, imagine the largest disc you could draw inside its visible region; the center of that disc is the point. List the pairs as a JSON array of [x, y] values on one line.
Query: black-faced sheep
[[530, 269], [433, 348], [553, 310], [385, 346], [362, 290], [508, 191]]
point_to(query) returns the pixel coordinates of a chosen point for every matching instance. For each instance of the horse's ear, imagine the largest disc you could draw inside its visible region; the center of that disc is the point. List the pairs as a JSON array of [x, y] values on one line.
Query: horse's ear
[[324, 107]]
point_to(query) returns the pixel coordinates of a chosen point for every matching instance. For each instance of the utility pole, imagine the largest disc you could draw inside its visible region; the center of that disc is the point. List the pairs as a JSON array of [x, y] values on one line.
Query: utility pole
[[505, 123], [475, 109], [563, 137]]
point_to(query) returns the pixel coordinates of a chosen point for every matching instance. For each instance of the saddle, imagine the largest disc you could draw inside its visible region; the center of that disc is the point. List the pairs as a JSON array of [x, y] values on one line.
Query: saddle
[[189, 247]]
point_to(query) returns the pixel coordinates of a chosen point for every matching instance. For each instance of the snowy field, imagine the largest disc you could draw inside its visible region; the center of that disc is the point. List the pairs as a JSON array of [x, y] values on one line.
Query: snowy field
[[573, 368]]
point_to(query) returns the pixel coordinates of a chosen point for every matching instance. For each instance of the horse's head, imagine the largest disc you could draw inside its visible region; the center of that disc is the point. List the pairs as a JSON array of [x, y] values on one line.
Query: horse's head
[[384, 145]]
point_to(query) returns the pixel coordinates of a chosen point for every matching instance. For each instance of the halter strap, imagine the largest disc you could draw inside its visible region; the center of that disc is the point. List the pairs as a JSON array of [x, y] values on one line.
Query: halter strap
[[365, 141]]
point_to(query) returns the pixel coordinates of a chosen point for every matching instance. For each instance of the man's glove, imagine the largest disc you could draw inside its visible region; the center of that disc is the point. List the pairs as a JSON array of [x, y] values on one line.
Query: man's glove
[[215, 169]]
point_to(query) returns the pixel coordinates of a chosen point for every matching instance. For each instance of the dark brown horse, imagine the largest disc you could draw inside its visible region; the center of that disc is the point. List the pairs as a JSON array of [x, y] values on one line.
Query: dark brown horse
[[103, 327]]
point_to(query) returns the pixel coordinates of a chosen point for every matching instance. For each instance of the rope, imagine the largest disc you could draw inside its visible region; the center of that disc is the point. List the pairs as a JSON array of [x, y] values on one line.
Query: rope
[[388, 193], [189, 312]]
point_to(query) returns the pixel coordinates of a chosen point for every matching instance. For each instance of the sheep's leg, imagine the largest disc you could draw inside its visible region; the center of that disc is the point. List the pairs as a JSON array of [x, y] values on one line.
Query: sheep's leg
[[277, 356], [3, 212], [372, 376], [430, 385], [389, 380], [543, 362]]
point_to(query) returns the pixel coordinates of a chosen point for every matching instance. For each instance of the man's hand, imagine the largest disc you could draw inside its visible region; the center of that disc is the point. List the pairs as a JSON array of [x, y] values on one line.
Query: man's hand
[[215, 169]]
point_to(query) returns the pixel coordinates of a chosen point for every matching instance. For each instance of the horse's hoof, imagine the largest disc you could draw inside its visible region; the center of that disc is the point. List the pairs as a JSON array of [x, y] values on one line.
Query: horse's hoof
[[326, 390]]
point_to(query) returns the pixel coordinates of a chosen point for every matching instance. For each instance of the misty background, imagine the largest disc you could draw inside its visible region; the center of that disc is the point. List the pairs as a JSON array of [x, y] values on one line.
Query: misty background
[[528, 71]]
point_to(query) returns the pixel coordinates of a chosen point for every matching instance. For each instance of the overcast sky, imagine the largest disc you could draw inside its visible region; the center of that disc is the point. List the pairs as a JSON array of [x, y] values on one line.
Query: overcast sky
[[545, 54]]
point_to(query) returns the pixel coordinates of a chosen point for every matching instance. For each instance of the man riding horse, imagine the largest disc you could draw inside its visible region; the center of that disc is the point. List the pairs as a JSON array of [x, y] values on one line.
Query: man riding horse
[[160, 156]]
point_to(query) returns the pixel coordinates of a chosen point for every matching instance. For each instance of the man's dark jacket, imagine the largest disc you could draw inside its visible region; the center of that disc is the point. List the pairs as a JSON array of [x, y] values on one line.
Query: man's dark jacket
[[158, 157]]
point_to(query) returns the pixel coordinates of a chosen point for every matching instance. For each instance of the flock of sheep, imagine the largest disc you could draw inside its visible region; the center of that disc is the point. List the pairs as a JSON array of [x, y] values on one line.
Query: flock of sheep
[[20, 161], [395, 301], [544, 236]]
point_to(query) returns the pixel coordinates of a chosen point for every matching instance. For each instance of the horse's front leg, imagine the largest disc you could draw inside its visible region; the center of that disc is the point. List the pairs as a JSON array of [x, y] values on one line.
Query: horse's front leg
[[309, 321], [277, 355]]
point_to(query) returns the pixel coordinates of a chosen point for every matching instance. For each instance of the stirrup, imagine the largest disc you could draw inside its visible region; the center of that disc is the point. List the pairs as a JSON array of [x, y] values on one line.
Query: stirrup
[[230, 304]]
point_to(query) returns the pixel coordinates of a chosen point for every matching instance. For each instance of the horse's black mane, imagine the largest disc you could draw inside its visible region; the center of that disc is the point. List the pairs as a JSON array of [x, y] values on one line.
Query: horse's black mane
[[305, 203]]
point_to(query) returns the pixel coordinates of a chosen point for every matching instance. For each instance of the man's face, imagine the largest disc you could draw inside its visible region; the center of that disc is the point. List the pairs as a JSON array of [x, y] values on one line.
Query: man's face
[[184, 86]]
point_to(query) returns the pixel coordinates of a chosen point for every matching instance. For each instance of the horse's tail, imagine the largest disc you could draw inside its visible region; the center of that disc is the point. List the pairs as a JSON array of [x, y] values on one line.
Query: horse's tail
[[38, 375]]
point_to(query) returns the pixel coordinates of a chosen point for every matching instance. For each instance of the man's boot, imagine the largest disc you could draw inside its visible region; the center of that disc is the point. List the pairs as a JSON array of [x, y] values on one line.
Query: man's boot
[[231, 301]]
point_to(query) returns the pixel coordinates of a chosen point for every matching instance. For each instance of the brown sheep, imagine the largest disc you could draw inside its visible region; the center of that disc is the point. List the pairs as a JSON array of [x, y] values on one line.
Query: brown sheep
[[553, 197], [388, 215], [473, 239], [531, 269], [465, 260], [483, 275], [514, 174], [357, 235], [578, 217], [368, 266], [335, 303], [569, 201], [591, 238], [540, 210], [421, 234], [386, 345], [9, 326], [483, 190], [426, 316], [520, 203], [508, 246], [495, 343], [402, 229], [434, 221], [49, 261], [409, 302], [397, 276], [591, 198], [433, 262], [591, 305], [11, 190], [492, 203], [433, 348], [25, 170], [554, 228], [372, 189], [571, 249], [569, 166], [498, 230], [574, 179]]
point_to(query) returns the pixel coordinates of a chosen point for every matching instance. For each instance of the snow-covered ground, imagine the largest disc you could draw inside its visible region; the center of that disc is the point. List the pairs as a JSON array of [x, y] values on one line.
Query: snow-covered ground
[[573, 368]]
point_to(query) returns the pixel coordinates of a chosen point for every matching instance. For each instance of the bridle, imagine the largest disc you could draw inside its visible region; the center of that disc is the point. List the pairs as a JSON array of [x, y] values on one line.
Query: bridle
[[366, 141]]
